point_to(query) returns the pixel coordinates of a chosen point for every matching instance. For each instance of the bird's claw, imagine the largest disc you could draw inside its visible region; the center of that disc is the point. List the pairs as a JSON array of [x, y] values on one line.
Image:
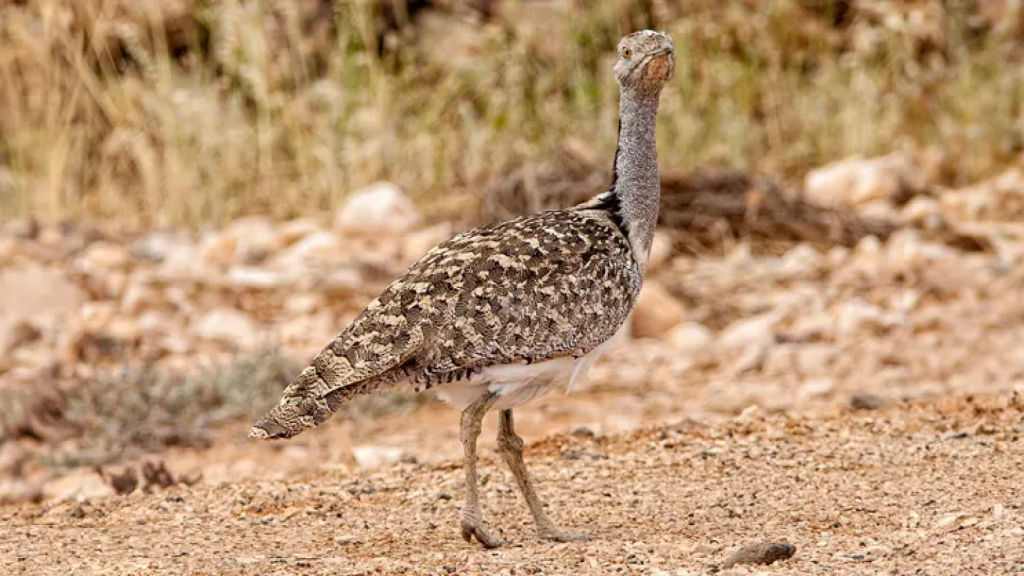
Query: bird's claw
[[471, 530], [562, 535]]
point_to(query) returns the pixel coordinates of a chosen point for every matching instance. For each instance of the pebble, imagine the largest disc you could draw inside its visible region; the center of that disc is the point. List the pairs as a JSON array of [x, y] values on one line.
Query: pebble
[[867, 401], [761, 553]]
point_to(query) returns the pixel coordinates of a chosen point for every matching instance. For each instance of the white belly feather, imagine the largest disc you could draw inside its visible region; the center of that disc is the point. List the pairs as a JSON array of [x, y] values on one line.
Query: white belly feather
[[519, 383]]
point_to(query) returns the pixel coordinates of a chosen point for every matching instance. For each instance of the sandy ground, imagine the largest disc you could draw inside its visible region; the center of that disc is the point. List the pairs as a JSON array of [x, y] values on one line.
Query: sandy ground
[[928, 488]]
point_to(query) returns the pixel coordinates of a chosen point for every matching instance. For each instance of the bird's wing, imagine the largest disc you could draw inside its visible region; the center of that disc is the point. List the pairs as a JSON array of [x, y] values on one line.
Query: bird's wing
[[531, 289]]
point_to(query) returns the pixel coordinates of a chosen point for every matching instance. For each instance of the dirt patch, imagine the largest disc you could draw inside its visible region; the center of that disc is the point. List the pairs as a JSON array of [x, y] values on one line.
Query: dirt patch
[[932, 487]]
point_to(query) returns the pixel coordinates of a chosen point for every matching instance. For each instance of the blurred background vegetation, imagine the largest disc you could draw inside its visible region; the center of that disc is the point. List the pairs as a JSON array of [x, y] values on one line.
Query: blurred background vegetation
[[188, 112]]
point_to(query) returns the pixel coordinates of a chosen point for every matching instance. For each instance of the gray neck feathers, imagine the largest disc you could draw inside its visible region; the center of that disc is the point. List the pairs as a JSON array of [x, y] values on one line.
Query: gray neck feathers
[[636, 185]]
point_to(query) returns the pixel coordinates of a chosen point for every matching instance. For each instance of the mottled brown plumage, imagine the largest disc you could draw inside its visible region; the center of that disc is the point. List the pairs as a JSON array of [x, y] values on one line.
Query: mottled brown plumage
[[501, 314], [516, 291]]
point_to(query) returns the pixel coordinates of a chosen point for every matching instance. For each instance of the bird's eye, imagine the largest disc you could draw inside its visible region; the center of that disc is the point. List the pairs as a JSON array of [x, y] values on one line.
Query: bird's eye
[[627, 53]]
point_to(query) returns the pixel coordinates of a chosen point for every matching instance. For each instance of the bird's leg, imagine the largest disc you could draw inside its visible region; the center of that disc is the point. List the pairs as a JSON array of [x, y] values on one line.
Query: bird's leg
[[472, 523], [511, 447]]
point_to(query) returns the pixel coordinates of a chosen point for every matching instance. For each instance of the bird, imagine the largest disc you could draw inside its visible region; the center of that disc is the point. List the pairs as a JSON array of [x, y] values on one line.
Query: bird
[[504, 313]]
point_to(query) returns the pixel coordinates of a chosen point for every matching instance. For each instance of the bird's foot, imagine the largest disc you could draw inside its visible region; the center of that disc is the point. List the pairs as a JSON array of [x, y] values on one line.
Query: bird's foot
[[475, 529], [557, 535]]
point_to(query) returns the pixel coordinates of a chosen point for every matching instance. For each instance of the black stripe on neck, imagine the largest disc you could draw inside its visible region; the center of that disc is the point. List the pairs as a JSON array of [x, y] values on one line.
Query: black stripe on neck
[[610, 201]]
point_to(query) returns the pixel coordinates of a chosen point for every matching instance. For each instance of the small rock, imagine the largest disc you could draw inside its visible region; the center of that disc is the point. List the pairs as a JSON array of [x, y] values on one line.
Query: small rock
[[255, 239], [22, 228], [374, 457], [17, 333], [320, 246], [857, 181], [802, 259], [183, 262], [105, 255], [751, 359], [689, 337], [124, 482], [381, 209], [758, 330], [747, 415], [810, 326], [857, 316], [219, 249], [867, 401], [948, 521], [138, 296], [17, 491], [761, 553], [78, 511], [815, 388], [294, 230], [923, 212], [303, 302], [79, 483], [13, 458], [157, 245], [656, 311], [815, 359], [229, 326], [124, 329], [252, 278], [583, 432]]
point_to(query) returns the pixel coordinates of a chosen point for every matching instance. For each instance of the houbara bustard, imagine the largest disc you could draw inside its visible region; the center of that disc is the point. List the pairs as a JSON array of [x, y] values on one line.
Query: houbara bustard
[[502, 314]]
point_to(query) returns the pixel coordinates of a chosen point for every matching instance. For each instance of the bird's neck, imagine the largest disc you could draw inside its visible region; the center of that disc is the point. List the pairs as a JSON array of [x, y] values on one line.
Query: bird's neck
[[636, 185]]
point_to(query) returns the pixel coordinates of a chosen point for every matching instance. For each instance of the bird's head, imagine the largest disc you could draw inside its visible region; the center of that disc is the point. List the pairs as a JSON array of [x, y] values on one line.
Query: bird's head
[[646, 61]]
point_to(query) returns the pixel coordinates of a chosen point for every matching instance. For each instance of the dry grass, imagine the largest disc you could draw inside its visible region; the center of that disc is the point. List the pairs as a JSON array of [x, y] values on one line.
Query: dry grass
[[141, 410], [202, 112]]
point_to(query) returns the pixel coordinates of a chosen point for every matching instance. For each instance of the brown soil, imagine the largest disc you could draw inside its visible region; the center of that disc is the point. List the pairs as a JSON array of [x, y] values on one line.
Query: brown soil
[[926, 488]]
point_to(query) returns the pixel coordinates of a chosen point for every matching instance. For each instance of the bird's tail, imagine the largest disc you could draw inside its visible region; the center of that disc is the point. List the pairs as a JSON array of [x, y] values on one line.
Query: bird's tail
[[330, 381]]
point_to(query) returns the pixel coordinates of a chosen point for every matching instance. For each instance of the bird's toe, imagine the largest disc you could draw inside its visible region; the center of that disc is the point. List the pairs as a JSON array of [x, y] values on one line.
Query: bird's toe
[[471, 530], [557, 535]]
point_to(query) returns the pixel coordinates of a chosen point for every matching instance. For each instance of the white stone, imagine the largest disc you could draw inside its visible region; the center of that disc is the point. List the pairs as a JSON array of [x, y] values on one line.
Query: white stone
[[294, 230], [251, 277], [381, 209], [756, 330], [105, 256], [182, 262], [689, 337], [815, 359], [317, 247], [156, 246], [802, 259], [857, 181], [815, 388], [228, 326], [79, 483], [303, 302], [857, 316], [924, 212], [375, 457], [255, 239]]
